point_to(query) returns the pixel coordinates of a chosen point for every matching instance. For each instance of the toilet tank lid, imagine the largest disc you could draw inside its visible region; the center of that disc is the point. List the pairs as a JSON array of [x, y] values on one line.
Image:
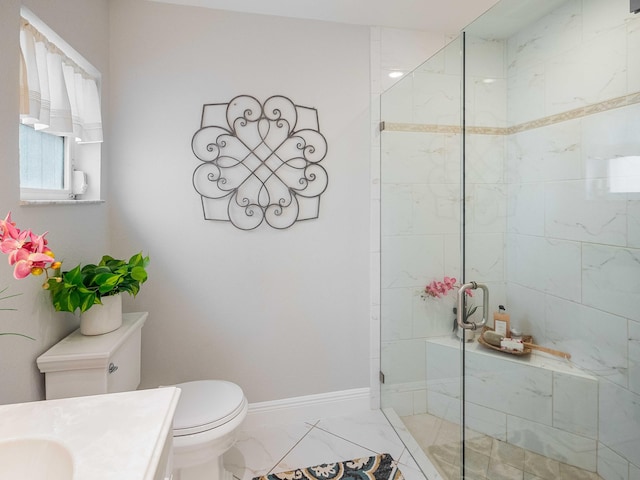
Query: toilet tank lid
[[207, 403], [81, 352]]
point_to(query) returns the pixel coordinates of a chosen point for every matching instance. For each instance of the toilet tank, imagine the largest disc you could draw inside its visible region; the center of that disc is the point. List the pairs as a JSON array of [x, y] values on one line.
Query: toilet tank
[[82, 365]]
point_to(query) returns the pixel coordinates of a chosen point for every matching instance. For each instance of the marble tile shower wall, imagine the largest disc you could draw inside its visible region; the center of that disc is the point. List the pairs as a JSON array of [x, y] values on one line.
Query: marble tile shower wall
[[547, 110], [573, 244]]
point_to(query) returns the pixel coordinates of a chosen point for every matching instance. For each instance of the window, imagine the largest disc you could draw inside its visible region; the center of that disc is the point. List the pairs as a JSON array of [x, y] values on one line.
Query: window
[[60, 117], [42, 159]]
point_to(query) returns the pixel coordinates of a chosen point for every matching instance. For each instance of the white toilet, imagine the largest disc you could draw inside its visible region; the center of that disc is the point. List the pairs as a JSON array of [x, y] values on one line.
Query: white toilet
[[208, 414]]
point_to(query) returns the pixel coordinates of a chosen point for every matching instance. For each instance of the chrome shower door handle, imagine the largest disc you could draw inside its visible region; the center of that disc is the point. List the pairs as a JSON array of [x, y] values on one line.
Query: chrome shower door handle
[[460, 307]]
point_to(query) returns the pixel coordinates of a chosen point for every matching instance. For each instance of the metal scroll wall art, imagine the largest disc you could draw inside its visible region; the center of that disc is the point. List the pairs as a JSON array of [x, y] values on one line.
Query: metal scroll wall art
[[260, 162]]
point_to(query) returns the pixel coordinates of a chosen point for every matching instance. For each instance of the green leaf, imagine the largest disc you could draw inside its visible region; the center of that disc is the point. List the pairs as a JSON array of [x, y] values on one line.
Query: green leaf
[[105, 259], [107, 282], [136, 260], [87, 301], [72, 301], [139, 274], [73, 277]]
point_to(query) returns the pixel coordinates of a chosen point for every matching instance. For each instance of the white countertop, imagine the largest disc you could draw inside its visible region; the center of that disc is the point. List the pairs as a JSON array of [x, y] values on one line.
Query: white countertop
[[111, 437]]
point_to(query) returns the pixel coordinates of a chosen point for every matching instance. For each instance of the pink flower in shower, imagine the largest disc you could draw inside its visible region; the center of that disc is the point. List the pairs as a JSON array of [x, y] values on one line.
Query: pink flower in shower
[[439, 289], [449, 282]]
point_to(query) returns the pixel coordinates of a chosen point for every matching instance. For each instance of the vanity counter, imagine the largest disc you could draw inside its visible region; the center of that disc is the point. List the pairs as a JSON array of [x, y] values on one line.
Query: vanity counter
[[114, 436]]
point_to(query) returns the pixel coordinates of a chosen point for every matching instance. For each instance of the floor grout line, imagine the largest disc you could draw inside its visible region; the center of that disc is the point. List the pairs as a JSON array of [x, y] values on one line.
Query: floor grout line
[[347, 440], [294, 446]]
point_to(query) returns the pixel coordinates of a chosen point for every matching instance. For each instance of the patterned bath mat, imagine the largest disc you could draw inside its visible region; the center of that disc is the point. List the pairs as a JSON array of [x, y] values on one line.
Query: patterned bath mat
[[378, 467]]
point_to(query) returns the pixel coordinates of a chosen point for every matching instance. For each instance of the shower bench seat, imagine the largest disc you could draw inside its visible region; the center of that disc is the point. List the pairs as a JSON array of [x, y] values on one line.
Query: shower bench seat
[[539, 402]]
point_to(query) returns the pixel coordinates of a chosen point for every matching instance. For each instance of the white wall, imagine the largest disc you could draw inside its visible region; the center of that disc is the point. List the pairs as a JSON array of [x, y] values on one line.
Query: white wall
[[76, 233], [281, 313]]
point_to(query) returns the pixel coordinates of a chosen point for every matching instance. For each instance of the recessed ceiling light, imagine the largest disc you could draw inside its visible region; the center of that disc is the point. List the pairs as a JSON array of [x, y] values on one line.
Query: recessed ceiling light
[[396, 74]]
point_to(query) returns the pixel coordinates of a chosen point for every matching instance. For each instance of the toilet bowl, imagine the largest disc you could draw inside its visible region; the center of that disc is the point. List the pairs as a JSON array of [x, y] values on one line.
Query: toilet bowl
[[207, 417]]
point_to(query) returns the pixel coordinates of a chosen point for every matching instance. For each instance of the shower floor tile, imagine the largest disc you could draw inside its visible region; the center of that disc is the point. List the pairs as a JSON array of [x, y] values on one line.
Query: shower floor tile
[[486, 458]]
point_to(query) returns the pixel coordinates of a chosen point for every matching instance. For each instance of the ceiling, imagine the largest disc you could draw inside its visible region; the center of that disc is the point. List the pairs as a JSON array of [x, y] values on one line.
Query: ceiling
[[510, 16], [448, 16]]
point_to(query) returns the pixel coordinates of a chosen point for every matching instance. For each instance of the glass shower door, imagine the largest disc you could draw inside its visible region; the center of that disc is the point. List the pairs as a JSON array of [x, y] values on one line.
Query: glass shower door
[[421, 143]]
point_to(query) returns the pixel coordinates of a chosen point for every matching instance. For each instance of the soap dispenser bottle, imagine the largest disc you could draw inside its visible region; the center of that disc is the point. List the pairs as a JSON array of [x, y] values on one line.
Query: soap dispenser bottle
[[501, 322]]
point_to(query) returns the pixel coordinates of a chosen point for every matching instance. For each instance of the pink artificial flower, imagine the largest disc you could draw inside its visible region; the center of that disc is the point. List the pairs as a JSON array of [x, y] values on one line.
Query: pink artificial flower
[[26, 251], [8, 228], [432, 289], [12, 245], [440, 289], [38, 240], [26, 261]]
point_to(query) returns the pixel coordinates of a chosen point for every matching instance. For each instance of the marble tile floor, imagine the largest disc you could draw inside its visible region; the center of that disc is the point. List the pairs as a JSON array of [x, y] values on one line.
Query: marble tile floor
[[486, 457], [277, 448]]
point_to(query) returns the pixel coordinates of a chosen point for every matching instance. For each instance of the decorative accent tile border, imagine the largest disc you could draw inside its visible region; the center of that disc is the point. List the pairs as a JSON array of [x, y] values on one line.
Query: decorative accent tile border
[[624, 101], [576, 113], [420, 128], [449, 129]]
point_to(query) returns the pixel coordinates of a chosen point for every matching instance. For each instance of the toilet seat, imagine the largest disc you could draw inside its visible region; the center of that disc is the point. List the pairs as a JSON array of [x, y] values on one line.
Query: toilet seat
[[205, 405]]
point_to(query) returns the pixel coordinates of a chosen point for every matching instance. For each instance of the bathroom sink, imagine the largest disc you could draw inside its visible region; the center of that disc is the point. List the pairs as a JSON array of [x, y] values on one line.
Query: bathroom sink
[[35, 459]]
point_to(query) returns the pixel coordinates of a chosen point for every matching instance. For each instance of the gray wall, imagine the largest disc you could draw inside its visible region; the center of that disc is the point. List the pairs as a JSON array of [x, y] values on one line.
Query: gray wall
[[77, 233], [281, 313]]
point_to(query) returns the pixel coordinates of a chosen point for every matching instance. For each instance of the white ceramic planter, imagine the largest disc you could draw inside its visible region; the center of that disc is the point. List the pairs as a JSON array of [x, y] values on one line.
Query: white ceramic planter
[[469, 335], [103, 318]]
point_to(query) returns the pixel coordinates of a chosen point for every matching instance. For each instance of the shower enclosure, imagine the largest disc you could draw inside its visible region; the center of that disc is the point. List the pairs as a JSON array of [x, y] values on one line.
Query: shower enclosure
[[512, 158]]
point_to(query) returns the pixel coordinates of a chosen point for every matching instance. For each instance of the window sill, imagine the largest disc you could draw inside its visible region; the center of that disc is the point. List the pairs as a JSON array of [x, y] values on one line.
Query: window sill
[[28, 203]]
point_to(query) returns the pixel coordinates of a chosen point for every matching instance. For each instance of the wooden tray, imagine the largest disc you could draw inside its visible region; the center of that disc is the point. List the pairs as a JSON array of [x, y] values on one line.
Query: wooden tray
[[525, 338]]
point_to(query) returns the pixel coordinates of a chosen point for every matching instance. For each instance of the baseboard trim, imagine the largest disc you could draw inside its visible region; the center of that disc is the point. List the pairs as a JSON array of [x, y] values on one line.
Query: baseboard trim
[[309, 408]]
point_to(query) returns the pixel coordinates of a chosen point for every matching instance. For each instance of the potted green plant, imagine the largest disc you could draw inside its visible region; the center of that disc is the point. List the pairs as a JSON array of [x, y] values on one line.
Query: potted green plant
[[95, 290], [84, 286]]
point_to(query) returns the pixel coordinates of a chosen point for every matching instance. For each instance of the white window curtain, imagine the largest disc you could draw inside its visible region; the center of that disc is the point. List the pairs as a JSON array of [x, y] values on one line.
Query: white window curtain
[[56, 95]]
